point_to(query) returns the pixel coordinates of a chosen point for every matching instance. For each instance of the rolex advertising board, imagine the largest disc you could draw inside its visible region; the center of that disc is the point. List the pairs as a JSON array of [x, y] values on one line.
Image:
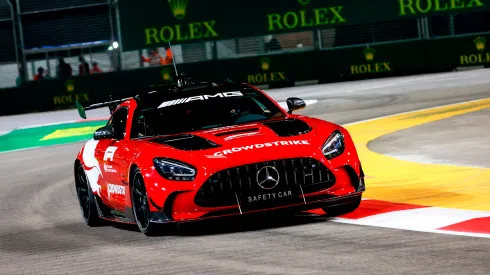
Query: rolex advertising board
[[71, 95], [155, 23], [275, 70], [468, 51], [480, 55], [371, 61]]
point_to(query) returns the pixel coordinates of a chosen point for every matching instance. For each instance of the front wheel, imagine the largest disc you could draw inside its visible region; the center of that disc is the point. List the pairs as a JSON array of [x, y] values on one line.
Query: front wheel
[[141, 208], [342, 209]]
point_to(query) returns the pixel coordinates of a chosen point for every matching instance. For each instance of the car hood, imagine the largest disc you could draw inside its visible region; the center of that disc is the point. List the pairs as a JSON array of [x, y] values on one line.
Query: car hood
[[246, 143]]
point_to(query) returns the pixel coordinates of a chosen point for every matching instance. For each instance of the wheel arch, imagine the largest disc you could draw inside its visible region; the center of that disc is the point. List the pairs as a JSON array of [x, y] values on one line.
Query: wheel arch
[[75, 165], [132, 170], [129, 198]]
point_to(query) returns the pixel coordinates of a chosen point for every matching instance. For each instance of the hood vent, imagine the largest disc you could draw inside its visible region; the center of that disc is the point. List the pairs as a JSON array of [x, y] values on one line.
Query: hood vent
[[288, 127], [186, 142], [236, 132]]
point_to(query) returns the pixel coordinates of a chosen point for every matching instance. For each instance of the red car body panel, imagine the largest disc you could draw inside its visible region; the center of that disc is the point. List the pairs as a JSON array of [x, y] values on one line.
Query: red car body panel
[[108, 164]]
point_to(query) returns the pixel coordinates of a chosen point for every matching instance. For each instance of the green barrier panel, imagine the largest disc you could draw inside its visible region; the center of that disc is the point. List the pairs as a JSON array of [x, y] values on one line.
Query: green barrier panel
[[450, 53], [276, 70], [154, 23], [371, 61]]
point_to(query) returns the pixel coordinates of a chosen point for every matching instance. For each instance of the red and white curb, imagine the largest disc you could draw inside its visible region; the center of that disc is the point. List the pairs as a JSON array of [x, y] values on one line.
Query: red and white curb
[[418, 218]]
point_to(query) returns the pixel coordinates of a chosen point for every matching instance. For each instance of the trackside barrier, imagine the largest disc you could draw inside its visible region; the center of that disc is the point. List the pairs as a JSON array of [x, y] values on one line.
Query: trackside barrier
[[184, 21], [331, 65]]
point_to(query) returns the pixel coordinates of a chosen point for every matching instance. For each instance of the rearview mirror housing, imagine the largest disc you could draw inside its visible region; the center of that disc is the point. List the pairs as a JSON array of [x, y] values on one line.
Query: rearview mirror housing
[[295, 103], [104, 132]]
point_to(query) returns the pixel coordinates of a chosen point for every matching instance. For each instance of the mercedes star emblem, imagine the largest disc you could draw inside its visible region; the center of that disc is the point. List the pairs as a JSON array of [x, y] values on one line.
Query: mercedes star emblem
[[268, 177]]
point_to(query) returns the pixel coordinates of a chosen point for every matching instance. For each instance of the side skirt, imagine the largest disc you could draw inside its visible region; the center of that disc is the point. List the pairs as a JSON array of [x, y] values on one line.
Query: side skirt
[[109, 214]]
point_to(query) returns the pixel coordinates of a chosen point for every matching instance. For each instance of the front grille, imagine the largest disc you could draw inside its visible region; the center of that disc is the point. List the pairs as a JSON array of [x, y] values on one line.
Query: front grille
[[222, 188]]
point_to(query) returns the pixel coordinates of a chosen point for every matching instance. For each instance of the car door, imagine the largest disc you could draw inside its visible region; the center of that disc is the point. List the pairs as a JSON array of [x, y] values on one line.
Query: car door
[[114, 153]]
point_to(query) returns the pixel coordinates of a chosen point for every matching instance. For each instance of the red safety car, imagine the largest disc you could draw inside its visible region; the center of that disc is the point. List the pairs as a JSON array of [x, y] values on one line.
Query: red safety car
[[205, 150]]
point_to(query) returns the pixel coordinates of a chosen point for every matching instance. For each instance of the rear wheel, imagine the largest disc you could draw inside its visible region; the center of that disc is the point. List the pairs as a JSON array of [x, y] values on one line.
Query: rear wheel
[[86, 198], [342, 209], [141, 208]]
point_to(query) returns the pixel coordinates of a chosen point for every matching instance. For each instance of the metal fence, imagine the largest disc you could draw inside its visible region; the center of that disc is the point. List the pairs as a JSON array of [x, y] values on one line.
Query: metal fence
[[52, 29], [49, 23]]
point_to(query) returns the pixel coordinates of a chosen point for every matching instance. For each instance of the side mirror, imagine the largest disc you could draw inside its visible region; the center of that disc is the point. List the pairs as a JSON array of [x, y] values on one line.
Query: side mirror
[[294, 104], [104, 132]]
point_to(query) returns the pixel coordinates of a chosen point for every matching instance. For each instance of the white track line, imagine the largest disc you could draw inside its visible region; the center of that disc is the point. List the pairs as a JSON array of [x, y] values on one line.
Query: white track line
[[46, 124]]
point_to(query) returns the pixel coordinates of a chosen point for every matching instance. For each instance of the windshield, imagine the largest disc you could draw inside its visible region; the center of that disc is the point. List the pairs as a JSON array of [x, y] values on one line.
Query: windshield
[[194, 113]]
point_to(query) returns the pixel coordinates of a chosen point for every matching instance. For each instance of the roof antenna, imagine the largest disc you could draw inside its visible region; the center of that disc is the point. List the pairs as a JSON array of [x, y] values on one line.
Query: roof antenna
[[111, 107], [179, 81]]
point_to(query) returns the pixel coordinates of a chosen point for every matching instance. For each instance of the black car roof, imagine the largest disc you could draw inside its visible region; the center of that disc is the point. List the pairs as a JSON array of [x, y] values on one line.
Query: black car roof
[[161, 94]]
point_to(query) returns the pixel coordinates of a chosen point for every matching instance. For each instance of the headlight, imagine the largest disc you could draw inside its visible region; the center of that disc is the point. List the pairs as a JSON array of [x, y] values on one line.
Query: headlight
[[334, 146], [174, 170]]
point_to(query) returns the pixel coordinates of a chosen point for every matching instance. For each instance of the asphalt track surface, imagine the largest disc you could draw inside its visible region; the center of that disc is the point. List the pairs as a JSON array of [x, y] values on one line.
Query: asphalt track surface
[[42, 231], [428, 143]]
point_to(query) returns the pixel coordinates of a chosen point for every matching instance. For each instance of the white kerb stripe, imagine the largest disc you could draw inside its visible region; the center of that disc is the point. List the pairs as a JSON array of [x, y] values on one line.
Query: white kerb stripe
[[421, 219]]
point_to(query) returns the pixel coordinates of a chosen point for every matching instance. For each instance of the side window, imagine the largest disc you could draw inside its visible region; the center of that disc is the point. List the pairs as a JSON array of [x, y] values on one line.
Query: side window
[[118, 122], [137, 128]]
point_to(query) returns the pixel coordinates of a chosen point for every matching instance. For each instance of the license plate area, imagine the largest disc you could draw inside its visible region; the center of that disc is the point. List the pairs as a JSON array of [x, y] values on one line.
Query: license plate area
[[263, 199]]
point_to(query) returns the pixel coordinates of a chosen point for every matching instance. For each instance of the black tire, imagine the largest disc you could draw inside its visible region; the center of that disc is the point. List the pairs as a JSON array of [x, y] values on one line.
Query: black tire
[[140, 205], [342, 209], [86, 198]]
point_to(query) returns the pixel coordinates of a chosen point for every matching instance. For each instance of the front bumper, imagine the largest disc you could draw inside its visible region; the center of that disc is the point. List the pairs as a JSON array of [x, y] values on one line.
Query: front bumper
[[345, 185], [323, 202]]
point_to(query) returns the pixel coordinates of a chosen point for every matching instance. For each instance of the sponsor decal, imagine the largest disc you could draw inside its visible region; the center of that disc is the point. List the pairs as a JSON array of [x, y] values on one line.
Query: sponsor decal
[[93, 171], [270, 196], [259, 146], [199, 97], [371, 66], [109, 153], [115, 189], [109, 168], [481, 56]]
